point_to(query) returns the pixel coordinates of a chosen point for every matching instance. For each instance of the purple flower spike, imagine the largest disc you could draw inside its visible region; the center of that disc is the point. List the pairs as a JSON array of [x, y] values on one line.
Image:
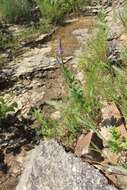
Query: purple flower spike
[[60, 51], [59, 56], [60, 48]]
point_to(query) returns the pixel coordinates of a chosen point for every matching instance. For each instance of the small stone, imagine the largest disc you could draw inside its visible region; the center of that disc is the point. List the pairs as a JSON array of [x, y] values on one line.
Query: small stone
[[106, 134], [80, 77], [83, 144], [56, 115]]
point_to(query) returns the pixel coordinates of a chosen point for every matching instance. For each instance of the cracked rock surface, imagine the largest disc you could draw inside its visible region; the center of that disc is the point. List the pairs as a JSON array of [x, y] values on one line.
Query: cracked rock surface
[[49, 167]]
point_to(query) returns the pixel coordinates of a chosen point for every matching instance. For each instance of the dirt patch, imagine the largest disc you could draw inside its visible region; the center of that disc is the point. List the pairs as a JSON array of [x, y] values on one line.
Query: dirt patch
[[70, 40]]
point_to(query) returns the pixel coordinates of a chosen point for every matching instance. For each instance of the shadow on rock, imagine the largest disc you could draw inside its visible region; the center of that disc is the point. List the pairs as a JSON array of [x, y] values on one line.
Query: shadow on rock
[[113, 121], [6, 80], [16, 133]]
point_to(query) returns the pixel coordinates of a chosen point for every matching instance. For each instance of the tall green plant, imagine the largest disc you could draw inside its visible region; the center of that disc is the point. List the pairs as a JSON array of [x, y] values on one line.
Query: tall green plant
[[103, 79]]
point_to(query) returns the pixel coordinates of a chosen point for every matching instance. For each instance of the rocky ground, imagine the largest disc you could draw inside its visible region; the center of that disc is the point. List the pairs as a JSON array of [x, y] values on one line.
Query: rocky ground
[[32, 79]]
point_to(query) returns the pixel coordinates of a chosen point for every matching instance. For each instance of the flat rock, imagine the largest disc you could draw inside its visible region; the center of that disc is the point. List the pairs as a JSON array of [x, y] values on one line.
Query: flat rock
[[112, 117], [83, 144], [49, 167], [32, 60]]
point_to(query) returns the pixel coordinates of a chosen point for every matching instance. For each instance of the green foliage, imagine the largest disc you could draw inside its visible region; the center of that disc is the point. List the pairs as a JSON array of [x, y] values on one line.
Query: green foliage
[[48, 127], [102, 15], [75, 114], [14, 10], [51, 11], [83, 106], [103, 79], [54, 10], [118, 90], [116, 144], [5, 41], [74, 5], [93, 64], [78, 112], [123, 15], [76, 92], [70, 119], [5, 108], [76, 119], [26, 35], [124, 55], [32, 32]]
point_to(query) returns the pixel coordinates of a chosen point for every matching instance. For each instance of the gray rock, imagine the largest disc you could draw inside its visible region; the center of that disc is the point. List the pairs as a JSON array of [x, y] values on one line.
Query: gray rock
[[49, 167]]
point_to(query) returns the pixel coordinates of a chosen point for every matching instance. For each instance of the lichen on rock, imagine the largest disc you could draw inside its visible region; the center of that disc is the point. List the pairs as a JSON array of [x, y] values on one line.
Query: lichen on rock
[[49, 167]]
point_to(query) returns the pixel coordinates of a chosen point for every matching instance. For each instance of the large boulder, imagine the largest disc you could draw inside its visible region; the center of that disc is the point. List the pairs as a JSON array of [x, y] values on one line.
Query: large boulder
[[49, 167]]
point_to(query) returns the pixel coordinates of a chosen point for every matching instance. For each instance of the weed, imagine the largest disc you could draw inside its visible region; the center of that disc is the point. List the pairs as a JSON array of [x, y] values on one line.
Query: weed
[[76, 92], [116, 144], [48, 127], [5, 108]]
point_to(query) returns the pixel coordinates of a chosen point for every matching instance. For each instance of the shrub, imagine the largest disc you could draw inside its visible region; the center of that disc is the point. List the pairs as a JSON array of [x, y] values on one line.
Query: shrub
[[15, 10], [54, 10], [51, 10]]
